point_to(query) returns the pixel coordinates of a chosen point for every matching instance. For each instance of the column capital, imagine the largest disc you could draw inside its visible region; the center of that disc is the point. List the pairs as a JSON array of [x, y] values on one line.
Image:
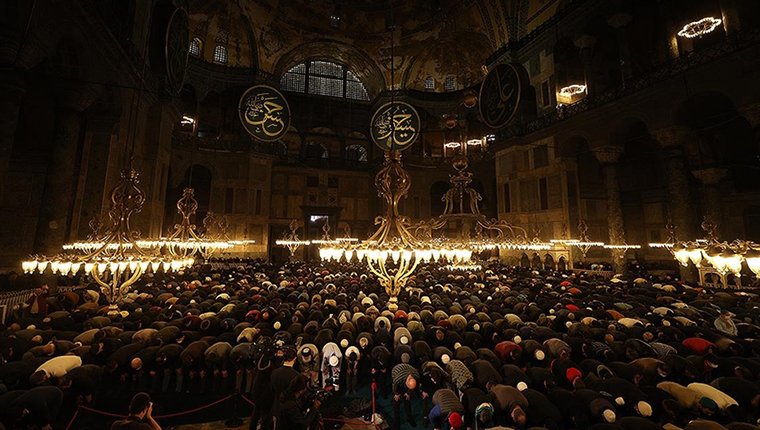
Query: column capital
[[608, 154], [619, 19], [672, 136], [710, 176]]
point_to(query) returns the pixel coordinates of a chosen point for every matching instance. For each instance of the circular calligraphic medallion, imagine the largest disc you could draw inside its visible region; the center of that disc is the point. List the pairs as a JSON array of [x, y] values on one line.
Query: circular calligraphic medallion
[[264, 112], [177, 45], [500, 95], [395, 126]]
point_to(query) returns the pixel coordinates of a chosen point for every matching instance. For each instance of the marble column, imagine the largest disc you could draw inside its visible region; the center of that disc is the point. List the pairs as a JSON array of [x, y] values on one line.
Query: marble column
[[680, 207], [12, 91], [608, 157], [62, 175], [619, 21], [673, 140], [711, 178]]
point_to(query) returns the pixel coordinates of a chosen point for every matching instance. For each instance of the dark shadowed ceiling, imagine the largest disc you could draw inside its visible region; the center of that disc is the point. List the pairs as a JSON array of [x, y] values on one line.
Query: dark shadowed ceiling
[[431, 38]]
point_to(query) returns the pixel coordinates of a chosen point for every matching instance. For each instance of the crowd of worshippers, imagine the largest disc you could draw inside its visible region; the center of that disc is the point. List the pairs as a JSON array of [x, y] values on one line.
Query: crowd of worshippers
[[503, 346]]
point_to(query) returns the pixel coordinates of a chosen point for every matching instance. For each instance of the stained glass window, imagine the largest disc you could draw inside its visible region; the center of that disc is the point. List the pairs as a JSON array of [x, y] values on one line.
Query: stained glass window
[[324, 78]]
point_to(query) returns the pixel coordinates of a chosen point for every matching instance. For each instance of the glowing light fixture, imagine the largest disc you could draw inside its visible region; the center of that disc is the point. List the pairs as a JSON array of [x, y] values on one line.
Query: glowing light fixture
[[572, 90], [700, 28]]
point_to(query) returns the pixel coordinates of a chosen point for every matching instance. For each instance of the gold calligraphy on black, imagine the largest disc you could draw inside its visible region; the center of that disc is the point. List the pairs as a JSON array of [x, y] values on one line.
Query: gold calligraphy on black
[[395, 126], [499, 96], [265, 113]]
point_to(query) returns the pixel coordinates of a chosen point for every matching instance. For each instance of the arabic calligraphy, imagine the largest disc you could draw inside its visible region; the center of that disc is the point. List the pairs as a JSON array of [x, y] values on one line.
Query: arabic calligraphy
[[265, 113], [395, 126], [500, 95]]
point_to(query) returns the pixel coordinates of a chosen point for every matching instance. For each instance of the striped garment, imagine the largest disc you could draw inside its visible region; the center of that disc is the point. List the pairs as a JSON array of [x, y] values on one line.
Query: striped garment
[[448, 401], [459, 373], [662, 349], [399, 374]]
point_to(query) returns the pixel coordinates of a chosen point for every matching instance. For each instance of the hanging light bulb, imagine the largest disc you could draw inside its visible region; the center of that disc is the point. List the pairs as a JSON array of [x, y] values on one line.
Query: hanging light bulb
[[752, 256]]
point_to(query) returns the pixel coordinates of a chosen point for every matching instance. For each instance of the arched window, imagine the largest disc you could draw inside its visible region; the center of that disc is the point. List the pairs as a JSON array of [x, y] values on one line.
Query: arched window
[[356, 153], [316, 150], [430, 83], [324, 78], [195, 47], [450, 84], [220, 54]]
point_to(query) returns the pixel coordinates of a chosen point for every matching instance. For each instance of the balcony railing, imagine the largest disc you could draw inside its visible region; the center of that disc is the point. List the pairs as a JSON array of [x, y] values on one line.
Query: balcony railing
[[670, 69]]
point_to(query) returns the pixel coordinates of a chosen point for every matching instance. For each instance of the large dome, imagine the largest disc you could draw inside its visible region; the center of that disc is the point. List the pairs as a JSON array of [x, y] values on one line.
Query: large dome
[[429, 38]]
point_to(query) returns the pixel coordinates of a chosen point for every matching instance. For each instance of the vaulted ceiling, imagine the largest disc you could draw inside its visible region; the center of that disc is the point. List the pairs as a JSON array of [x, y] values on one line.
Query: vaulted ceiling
[[432, 38]]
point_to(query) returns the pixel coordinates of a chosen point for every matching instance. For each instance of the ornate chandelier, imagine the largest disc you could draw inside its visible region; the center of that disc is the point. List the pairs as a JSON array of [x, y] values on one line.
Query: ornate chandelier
[[726, 258], [583, 244], [185, 242], [393, 252], [462, 208], [113, 258], [291, 241]]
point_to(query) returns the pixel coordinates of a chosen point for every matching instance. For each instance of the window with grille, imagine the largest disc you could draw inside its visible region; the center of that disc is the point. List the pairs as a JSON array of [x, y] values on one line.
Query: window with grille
[[356, 153], [430, 83], [195, 47], [450, 84], [220, 54], [324, 78]]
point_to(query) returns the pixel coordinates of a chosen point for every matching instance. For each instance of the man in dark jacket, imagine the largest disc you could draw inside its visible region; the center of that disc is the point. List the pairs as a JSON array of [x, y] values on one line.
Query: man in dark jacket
[[140, 415]]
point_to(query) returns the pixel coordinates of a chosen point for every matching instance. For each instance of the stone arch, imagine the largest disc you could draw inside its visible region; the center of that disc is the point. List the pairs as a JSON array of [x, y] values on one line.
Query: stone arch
[[562, 263], [720, 138], [535, 262], [524, 261], [549, 263]]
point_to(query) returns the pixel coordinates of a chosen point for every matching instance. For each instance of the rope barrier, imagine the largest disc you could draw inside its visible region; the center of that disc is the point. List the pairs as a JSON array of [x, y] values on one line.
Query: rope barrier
[[214, 403], [164, 416], [249, 401], [194, 410], [73, 418]]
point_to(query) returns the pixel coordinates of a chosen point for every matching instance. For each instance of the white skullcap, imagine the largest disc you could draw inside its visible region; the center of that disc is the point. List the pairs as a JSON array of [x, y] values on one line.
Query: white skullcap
[[333, 361], [343, 344], [619, 401], [404, 340], [522, 386], [551, 311], [609, 415], [645, 409], [517, 339], [277, 325], [539, 355], [445, 359], [476, 327], [457, 345], [568, 324]]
